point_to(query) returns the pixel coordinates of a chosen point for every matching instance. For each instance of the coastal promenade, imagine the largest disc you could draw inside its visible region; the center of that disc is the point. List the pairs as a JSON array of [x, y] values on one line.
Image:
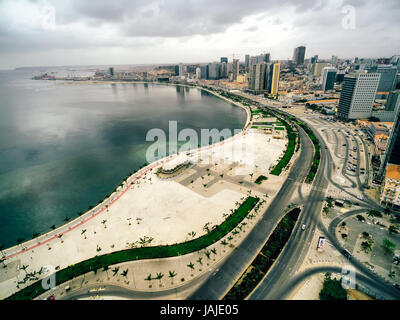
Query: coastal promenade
[[144, 203]]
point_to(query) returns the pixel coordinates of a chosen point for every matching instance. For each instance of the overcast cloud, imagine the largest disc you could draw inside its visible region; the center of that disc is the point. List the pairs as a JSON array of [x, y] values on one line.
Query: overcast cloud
[[80, 32]]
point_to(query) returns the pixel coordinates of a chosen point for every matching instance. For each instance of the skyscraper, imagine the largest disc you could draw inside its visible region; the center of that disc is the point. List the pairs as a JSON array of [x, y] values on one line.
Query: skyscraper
[[317, 68], [198, 73], [204, 72], [224, 59], [257, 81], [392, 154], [181, 70], [235, 69], [214, 71], [388, 76], [247, 62], [224, 70], [358, 95], [273, 79], [266, 57], [298, 55], [314, 59], [328, 78]]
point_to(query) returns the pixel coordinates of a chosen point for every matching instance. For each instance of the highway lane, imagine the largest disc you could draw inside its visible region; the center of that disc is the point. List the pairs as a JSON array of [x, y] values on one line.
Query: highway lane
[[360, 279], [124, 292], [297, 247], [300, 241], [215, 287]]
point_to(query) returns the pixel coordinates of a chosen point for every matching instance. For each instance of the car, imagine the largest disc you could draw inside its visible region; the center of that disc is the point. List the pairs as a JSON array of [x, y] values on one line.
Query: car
[[346, 253], [303, 227]]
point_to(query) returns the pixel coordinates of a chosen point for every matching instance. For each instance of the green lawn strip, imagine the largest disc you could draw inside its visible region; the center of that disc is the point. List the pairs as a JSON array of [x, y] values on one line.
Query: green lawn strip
[[279, 128], [98, 262], [276, 171], [317, 154], [266, 257]]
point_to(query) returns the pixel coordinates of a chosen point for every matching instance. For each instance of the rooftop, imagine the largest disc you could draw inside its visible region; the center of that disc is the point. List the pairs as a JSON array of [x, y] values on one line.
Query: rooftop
[[393, 171]]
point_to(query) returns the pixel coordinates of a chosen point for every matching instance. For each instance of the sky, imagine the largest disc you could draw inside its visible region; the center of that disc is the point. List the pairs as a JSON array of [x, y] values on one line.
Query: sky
[[113, 32]]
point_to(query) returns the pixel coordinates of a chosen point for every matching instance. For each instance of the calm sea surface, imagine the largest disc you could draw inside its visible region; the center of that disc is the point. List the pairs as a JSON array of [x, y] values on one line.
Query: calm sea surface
[[65, 147]]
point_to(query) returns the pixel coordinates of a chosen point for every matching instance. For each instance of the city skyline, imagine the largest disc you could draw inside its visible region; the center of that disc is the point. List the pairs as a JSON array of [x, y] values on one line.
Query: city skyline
[[56, 33]]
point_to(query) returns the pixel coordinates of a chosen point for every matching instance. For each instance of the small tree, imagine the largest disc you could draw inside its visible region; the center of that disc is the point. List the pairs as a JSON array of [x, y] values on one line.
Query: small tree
[[393, 229], [332, 289], [388, 246], [366, 246]]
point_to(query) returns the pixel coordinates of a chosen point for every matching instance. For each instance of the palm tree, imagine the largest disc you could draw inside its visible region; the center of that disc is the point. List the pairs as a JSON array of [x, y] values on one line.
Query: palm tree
[[224, 243], [24, 267], [207, 253], [159, 277], [125, 273], [83, 232], [60, 236], [200, 260], [213, 250], [191, 265], [115, 271], [172, 274], [67, 219], [104, 222]]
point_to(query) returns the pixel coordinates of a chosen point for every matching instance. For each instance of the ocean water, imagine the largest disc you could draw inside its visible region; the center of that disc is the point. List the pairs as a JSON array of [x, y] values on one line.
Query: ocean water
[[64, 147]]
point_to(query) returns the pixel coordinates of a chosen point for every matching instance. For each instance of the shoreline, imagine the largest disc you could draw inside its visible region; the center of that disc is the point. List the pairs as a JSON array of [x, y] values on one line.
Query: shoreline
[[125, 184]]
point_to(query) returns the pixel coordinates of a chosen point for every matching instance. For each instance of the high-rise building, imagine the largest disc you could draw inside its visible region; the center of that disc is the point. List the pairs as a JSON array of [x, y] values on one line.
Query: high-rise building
[[318, 66], [392, 108], [340, 75], [257, 81], [273, 79], [328, 78], [314, 59], [181, 70], [358, 95], [224, 59], [334, 60], [198, 73], [235, 69], [266, 57], [111, 71], [393, 150], [253, 61], [247, 62], [298, 55], [224, 70], [204, 72], [214, 71], [388, 76]]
